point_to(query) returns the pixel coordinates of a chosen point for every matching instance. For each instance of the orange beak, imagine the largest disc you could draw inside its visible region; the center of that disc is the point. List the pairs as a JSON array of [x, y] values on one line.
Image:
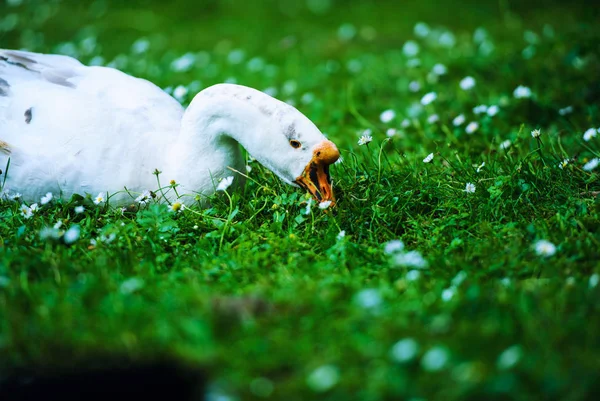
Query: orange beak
[[315, 178]]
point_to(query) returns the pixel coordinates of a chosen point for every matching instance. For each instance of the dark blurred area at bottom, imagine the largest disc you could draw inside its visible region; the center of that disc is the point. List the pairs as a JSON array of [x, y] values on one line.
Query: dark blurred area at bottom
[[111, 380]]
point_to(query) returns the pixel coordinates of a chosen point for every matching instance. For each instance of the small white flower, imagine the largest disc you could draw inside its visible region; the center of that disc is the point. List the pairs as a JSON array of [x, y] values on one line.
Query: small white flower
[[432, 119], [79, 209], [46, 198], [467, 83], [522, 92], [393, 246], [410, 48], [410, 259], [544, 248], [404, 350], [589, 134], [421, 29], [439, 69], [591, 165], [183, 63], [49, 233], [563, 164], [405, 123], [131, 285], [368, 298], [34, 208], [225, 183], [58, 224], [472, 127], [100, 198], [448, 293], [387, 116], [509, 357], [413, 275], [565, 110], [594, 279], [308, 206], [390, 132], [493, 110], [365, 139], [470, 188], [480, 166], [144, 198], [536, 133], [341, 235], [505, 144], [458, 120], [324, 205], [323, 378], [428, 158], [435, 359], [414, 86], [248, 168], [428, 98], [26, 211], [179, 92], [177, 207], [72, 234], [482, 108]]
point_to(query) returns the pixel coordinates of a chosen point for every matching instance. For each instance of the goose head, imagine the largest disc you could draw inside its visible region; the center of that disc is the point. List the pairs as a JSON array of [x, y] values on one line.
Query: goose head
[[276, 134]]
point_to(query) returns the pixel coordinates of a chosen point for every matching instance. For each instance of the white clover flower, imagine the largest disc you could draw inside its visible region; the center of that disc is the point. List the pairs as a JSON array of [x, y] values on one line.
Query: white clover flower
[[177, 207], [565, 110], [404, 350], [589, 134], [544, 248], [183, 63], [536, 133], [393, 246], [140, 46], [34, 208], [421, 29], [480, 166], [458, 120], [410, 259], [390, 132], [439, 69], [563, 164], [414, 86], [428, 98], [341, 235], [467, 83], [100, 198], [432, 119], [405, 123], [470, 188], [365, 139], [522, 92], [26, 211], [428, 159], [79, 209], [493, 110], [387, 116], [323, 378], [58, 224], [482, 108], [591, 165], [413, 275], [472, 127], [324, 205], [46, 198], [369, 298], [72, 234], [225, 183], [505, 144], [144, 198], [248, 168]]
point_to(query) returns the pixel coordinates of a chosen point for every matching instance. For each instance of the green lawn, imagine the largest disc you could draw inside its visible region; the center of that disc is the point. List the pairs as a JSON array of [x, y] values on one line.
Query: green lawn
[[264, 292]]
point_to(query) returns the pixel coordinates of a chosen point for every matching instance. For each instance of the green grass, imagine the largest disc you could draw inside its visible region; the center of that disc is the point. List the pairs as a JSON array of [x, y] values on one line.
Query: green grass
[[271, 301]]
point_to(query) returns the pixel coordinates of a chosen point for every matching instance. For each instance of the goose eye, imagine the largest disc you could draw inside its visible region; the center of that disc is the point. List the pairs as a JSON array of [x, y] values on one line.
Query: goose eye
[[295, 144]]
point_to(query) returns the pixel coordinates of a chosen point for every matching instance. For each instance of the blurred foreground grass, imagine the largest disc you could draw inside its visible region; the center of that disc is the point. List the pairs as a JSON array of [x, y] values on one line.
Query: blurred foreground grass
[[280, 300]]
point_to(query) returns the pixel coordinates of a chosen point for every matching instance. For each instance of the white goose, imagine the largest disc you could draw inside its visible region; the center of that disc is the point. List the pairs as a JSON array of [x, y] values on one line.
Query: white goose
[[72, 129]]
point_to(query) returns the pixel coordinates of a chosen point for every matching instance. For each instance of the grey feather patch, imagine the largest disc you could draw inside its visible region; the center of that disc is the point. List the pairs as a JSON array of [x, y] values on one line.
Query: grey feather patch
[[28, 115], [59, 77], [4, 87]]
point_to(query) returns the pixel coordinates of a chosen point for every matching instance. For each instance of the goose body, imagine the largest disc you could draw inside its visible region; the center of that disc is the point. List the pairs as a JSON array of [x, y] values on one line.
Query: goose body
[[73, 129]]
